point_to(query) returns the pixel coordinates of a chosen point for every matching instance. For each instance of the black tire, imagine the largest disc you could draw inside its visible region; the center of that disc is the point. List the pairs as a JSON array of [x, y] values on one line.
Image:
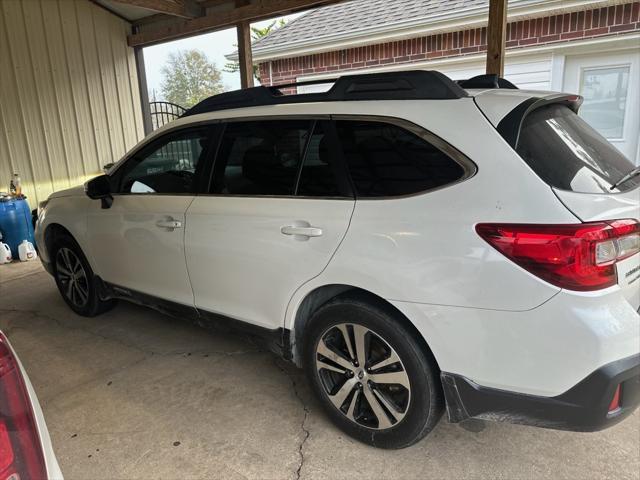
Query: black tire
[[423, 401], [66, 248]]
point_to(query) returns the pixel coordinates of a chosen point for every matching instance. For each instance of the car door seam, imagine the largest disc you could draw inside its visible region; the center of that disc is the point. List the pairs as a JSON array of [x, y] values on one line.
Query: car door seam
[[344, 236], [184, 251]]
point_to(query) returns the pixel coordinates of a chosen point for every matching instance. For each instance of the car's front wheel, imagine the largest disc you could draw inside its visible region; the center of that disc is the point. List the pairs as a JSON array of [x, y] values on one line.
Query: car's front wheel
[[75, 279], [375, 380]]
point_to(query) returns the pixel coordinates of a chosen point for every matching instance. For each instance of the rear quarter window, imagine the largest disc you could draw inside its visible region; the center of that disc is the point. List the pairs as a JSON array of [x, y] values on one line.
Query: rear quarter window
[[569, 154], [386, 160]]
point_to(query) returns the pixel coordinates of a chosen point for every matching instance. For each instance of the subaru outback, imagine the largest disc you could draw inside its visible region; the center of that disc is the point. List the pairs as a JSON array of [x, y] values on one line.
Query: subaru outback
[[417, 245]]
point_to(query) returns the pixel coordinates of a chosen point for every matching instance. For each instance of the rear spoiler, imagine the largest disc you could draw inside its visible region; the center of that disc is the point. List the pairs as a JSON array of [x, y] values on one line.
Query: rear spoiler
[[509, 127]]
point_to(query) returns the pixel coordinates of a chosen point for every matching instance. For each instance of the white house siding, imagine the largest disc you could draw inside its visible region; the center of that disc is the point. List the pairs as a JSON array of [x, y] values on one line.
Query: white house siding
[[69, 97], [527, 72]]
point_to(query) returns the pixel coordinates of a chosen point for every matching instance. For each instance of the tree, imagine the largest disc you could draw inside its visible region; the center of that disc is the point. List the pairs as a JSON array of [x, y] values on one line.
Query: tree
[[256, 34], [189, 77]]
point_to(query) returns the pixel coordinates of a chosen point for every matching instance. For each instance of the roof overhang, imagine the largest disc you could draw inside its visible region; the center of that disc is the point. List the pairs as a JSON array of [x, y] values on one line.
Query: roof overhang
[[157, 21], [417, 27]]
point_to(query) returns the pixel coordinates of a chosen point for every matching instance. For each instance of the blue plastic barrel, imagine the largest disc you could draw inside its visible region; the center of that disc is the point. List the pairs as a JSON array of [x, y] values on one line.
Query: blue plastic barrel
[[15, 223]]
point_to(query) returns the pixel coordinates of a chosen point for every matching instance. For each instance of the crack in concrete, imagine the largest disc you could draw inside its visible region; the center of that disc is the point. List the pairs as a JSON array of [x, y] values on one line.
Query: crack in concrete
[[305, 431]]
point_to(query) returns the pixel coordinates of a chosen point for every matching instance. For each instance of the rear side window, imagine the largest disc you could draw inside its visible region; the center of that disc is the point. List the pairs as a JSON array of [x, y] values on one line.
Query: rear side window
[[260, 158], [570, 155], [385, 160], [320, 173]]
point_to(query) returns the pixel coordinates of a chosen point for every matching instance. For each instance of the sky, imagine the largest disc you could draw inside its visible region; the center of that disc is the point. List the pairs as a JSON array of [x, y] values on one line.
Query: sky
[[215, 45]]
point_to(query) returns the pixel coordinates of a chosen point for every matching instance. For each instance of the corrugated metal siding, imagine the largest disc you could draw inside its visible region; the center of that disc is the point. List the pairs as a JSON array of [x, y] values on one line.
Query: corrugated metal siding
[[69, 98]]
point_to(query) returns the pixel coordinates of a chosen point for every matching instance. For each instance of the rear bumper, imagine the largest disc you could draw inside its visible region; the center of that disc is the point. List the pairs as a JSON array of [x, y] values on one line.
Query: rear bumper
[[541, 352], [584, 407]]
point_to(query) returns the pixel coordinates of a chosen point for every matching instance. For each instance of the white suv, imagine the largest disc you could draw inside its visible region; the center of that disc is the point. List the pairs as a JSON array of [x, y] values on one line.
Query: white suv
[[415, 243]]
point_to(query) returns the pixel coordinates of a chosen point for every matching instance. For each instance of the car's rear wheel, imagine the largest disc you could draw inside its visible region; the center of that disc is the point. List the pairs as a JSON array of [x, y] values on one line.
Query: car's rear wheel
[[375, 380], [75, 279]]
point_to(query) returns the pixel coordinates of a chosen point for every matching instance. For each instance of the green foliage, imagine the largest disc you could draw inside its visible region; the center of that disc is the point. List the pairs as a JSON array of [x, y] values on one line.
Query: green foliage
[[189, 77], [256, 34]]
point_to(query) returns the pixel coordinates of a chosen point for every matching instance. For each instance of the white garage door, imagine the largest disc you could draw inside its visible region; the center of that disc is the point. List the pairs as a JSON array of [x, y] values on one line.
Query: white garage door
[[609, 84]]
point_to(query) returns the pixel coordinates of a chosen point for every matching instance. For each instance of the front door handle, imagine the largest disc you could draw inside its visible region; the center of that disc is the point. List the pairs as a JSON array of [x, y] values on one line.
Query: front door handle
[[301, 231], [170, 224]]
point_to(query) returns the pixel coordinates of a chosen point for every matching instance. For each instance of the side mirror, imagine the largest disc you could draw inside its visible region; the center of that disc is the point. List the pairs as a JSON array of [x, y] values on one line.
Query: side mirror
[[99, 188]]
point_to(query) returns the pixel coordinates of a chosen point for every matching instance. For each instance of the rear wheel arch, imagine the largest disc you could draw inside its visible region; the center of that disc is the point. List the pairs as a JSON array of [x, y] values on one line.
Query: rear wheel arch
[[324, 294], [386, 393]]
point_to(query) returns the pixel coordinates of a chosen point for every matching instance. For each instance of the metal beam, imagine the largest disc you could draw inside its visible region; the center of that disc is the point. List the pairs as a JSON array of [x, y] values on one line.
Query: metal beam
[[245, 56], [178, 8], [258, 10], [496, 37], [144, 93]]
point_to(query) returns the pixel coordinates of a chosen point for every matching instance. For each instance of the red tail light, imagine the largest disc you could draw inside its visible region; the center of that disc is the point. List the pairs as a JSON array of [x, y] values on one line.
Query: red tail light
[[21, 455], [576, 257], [615, 402]]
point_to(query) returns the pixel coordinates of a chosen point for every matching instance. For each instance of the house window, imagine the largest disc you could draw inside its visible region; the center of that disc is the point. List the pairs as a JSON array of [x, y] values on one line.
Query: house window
[[605, 98]]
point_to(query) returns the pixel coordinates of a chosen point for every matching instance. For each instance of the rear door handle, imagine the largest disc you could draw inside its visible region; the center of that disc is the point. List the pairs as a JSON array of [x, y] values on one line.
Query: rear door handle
[[169, 224], [301, 231]]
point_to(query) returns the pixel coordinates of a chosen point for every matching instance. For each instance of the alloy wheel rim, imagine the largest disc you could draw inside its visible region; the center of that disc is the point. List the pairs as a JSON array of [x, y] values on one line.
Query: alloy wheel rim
[[72, 277], [363, 376]]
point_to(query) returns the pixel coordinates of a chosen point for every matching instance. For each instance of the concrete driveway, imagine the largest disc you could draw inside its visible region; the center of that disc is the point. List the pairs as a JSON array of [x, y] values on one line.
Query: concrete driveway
[[135, 394]]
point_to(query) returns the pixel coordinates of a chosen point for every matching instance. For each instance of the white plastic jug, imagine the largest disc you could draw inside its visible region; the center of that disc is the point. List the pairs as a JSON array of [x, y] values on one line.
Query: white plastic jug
[[26, 251], [5, 253]]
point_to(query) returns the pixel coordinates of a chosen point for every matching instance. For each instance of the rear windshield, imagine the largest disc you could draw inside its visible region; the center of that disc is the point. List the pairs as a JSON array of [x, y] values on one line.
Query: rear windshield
[[568, 154]]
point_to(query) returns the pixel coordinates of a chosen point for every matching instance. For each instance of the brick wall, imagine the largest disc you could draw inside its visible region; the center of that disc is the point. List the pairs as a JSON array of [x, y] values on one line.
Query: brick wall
[[599, 22]]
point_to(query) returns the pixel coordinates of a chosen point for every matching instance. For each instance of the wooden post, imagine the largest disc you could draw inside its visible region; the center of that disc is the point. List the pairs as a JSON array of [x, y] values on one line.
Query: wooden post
[[496, 37], [245, 56]]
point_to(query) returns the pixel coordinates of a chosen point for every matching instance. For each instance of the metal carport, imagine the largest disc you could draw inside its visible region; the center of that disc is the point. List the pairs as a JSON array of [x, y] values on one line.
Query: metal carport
[[73, 94]]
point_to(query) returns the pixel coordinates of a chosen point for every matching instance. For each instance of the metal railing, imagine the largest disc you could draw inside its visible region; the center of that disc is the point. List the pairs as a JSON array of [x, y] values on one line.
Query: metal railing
[[164, 112]]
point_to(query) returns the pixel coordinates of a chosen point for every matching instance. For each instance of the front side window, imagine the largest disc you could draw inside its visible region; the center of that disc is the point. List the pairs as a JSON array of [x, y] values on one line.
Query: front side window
[[385, 160], [168, 167], [569, 154], [260, 157]]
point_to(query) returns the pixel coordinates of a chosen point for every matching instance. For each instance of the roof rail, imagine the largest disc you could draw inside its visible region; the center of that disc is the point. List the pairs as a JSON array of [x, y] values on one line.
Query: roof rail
[[486, 81], [407, 85]]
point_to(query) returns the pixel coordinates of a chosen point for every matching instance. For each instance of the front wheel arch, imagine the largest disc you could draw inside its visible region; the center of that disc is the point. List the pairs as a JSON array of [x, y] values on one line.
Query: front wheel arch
[[52, 233], [56, 237]]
